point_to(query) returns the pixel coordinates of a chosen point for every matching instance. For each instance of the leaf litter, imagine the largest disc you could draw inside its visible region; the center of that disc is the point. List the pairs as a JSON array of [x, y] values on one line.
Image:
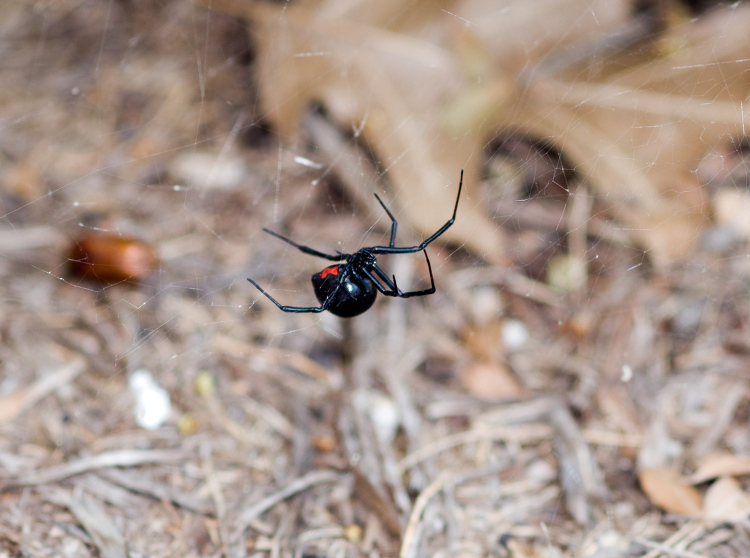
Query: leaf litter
[[604, 149]]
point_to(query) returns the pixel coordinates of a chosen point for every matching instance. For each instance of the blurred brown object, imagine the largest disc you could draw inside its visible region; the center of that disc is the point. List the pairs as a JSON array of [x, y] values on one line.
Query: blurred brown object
[[666, 489], [111, 258], [633, 101], [492, 381]]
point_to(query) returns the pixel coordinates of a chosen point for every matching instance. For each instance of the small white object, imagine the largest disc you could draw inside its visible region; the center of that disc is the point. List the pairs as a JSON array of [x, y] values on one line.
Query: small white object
[[567, 272], [731, 207], [541, 472], [305, 162], [152, 403], [515, 334], [486, 305], [208, 170], [382, 412], [627, 373]]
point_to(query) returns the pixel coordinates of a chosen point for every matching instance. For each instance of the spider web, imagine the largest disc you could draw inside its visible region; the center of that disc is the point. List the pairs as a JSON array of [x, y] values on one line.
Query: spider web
[[142, 120]]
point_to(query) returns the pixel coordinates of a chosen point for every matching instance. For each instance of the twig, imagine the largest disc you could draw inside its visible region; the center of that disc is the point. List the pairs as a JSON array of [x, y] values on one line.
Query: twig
[[606, 438], [301, 363], [296, 486], [345, 159], [380, 504], [216, 495], [394, 375], [13, 405], [122, 458], [662, 548], [143, 485], [578, 218], [514, 281], [105, 535], [580, 476], [28, 238], [690, 532], [520, 434], [253, 513], [705, 442], [409, 544]]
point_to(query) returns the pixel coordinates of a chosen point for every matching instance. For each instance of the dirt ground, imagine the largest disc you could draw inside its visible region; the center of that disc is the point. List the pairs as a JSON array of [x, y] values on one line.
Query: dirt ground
[[521, 411]]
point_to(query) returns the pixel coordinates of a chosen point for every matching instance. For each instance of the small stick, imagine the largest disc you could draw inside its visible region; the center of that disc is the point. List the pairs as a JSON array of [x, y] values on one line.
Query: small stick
[[303, 483], [691, 531], [215, 488], [13, 405], [526, 433], [664, 549], [120, 458], [408, 546]]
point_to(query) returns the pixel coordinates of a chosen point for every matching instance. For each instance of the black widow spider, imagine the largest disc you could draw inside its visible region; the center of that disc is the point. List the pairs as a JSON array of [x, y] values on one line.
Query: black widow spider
[[349, 289]]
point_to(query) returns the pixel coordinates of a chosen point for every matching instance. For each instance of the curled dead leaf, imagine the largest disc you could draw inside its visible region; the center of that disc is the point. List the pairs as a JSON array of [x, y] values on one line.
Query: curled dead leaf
[[635, 131], [393, 92], [666, 489], [492, 381], [726, 501], [732, 207], [721, 464], [485, 342], [24, 181]]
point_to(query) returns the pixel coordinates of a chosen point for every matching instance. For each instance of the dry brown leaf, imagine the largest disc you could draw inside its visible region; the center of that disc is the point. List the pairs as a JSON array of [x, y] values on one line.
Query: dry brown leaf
[[719, 465], [485, 342], [732, 208], [522, 549], [427, 106], [666, 489], [726, 501], [24, 181], [492, 381], [672, 109], [389, 87]]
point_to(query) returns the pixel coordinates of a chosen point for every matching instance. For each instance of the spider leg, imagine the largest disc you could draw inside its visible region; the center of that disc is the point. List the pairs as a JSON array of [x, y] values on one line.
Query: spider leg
[[296, 309], [424, 292], [387, 280], [395, 292], [306, 250], [394, 223], [410, 249]]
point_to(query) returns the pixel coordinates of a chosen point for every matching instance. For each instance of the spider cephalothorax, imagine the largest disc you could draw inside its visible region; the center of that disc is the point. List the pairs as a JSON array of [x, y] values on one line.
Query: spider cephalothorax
[[348, 289]]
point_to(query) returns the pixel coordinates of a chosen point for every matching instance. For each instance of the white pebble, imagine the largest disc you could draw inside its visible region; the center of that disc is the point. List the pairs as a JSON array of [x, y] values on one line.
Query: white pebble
[[382, 412], [515, 334], [152, 403]]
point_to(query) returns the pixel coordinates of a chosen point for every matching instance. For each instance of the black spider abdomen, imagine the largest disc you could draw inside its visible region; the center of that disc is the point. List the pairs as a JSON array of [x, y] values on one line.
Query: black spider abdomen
[[354, 297]]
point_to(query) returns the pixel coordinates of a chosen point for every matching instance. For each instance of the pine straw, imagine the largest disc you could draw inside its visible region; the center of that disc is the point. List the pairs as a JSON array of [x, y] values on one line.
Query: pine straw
[[291, 453]]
